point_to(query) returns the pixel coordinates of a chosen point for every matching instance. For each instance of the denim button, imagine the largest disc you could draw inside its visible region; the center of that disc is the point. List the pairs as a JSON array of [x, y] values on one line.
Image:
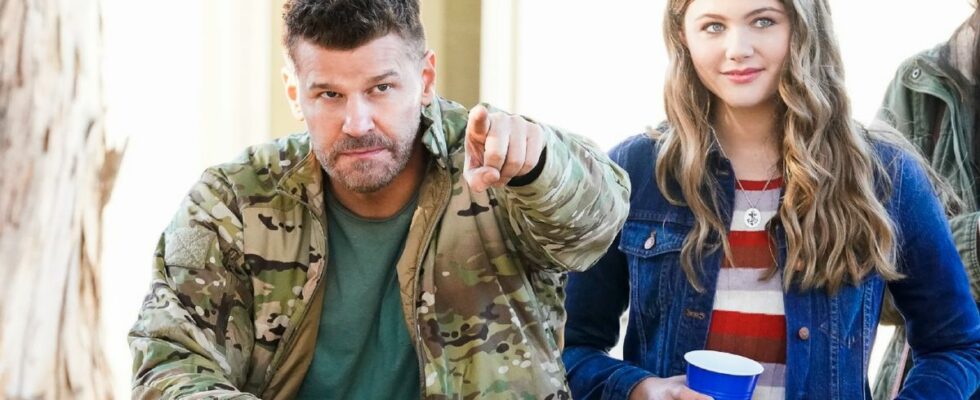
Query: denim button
[[804, 333], [916, 73]]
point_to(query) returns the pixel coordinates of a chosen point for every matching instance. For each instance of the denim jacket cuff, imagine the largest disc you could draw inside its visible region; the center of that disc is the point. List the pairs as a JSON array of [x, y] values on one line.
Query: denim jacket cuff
[[622, 382]]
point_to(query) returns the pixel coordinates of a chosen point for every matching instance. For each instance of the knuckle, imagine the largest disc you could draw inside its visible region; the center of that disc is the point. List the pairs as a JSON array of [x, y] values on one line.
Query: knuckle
[[494, 158], [514, 165], [536, 131]]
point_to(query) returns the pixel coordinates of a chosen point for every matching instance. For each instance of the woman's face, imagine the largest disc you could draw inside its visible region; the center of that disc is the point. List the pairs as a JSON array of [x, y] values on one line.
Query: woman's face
[[738, 48]]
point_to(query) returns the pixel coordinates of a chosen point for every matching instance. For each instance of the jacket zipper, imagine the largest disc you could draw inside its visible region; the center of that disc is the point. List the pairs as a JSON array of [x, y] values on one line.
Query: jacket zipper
[[290, 341], [415, 288]]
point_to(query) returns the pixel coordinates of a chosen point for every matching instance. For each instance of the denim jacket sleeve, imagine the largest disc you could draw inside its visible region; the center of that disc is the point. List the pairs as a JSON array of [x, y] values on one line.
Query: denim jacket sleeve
[[898, 111], [596, 300], [934, 298]]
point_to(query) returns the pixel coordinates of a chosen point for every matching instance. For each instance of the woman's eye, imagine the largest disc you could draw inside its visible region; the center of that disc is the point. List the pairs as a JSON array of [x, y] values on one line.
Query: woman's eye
[[764, 22], [331, 95], [713, 27], [383, 87]]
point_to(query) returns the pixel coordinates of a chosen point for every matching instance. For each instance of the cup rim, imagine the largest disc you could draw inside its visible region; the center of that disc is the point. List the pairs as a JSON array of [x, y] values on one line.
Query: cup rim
[[709, 360]]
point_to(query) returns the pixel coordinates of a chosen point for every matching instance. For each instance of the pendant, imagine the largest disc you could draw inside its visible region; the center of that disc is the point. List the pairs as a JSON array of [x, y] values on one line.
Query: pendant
[[753, 217]]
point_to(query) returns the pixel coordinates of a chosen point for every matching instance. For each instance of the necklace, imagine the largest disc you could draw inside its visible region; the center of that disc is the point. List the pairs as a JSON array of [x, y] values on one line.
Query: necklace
[[752, 216]]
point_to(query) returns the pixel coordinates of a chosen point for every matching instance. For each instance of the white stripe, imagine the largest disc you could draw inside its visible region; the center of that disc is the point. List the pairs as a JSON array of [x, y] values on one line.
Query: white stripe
[[769, 393], [738, 221], [772, 375], [763, 200], [767, 302], [747, 279]]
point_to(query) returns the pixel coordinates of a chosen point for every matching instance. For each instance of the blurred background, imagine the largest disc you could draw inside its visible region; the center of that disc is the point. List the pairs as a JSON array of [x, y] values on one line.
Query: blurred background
[[190, 83]]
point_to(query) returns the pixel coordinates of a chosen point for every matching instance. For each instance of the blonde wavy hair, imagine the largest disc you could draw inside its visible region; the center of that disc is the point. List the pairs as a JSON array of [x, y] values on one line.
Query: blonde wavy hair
[[837, 230]]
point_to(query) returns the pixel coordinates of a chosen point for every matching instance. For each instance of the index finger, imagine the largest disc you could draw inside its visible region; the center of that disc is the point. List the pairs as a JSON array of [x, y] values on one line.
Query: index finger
[[478, 123]]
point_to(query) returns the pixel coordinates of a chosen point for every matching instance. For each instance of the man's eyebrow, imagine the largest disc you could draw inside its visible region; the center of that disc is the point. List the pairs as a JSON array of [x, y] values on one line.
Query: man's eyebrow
[[374, 79], [321, 85], [384, 75]]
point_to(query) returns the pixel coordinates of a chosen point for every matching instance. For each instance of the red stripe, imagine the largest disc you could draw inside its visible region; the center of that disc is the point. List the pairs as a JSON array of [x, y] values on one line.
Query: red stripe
[[763, 350], [760, 185], [748, 238], [750, 258], [749, 325], [750, 249]]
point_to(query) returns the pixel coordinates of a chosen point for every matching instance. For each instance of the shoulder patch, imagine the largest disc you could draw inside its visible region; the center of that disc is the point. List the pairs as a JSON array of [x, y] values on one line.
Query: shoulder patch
[[188, 247]]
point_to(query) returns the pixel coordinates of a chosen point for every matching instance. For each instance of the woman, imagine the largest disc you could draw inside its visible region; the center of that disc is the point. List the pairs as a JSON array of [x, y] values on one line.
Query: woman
[[765, 222]]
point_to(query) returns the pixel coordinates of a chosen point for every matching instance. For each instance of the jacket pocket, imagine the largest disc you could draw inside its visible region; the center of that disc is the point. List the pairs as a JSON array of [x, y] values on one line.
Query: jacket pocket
[[652, 249]]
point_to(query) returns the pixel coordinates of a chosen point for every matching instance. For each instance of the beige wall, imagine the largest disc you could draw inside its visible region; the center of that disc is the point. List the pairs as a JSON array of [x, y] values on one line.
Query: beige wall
[[452, 31]]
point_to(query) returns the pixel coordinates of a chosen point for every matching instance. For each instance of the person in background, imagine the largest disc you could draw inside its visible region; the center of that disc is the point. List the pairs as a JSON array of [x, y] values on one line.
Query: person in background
[[933, 101], [765, 222], [404, 247]]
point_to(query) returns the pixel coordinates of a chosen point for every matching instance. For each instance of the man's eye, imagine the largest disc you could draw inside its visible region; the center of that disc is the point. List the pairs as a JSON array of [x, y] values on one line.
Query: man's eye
[[331, 95], [383, 87]]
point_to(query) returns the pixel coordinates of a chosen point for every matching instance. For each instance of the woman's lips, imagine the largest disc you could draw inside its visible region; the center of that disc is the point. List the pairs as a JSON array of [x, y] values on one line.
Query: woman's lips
[[742, 76]]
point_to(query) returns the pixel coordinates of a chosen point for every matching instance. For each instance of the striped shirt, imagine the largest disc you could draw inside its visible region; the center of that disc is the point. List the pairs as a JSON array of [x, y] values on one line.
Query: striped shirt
[[748, 318]]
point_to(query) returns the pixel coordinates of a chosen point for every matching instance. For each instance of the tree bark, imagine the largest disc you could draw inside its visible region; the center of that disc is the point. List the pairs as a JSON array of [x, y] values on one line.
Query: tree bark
[[56, 175]]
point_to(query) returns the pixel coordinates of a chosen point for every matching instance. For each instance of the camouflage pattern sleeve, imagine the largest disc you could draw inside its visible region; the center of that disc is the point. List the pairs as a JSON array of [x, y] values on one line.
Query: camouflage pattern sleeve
[[569, 215], [194, 332]]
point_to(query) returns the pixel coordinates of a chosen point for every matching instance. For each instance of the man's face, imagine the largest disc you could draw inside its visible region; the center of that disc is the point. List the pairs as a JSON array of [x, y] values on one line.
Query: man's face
[[362, 107]]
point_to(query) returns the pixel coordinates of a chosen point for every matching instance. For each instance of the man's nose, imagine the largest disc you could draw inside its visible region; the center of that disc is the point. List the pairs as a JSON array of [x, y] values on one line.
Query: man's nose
[[358, 118]]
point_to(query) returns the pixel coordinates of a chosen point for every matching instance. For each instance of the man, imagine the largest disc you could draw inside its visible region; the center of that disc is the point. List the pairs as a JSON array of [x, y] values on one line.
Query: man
[[403, 247], [934, 102]]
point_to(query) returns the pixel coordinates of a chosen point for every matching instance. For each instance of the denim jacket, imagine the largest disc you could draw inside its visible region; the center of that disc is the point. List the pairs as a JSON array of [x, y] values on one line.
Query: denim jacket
[[932, 103], [829, 338]]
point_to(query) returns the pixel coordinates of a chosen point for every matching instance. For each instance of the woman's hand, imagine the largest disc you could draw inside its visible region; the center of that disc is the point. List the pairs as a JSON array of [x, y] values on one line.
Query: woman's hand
[[673, 388]]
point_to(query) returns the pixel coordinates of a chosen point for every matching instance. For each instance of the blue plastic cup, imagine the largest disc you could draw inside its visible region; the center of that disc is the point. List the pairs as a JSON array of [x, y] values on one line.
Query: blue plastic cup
[[723, 376]]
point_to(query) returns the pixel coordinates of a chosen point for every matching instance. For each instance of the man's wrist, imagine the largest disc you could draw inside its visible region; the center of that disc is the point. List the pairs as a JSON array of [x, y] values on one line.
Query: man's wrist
[[529, 177]]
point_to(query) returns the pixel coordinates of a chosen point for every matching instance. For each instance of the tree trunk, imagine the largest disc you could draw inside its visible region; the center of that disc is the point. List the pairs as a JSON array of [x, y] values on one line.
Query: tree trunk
[[55, 177]]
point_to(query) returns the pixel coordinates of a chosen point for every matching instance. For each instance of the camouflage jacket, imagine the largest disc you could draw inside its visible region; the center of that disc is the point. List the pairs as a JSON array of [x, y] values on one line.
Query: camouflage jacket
[[234, 301]]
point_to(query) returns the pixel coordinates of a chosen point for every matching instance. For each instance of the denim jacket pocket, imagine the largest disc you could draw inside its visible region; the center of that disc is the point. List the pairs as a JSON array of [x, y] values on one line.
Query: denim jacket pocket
[[652, 249]]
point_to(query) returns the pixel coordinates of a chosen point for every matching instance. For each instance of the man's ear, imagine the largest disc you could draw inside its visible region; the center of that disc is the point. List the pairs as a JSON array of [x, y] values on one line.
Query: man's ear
[[291, 83], [428, 77]]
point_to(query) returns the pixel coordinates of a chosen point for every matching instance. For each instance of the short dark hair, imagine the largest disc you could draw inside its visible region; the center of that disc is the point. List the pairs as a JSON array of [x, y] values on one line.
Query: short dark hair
[[348, 24]]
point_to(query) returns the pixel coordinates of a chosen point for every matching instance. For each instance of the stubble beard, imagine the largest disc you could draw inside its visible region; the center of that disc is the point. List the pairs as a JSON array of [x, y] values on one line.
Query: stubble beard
[[371, 175]]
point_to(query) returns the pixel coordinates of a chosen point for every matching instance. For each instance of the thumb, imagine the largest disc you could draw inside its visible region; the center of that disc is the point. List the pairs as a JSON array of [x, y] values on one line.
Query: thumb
[[687, 393], [480, 178]]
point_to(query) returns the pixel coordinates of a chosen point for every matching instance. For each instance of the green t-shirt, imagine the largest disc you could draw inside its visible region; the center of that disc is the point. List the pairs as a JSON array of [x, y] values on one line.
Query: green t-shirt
[[363, 349]]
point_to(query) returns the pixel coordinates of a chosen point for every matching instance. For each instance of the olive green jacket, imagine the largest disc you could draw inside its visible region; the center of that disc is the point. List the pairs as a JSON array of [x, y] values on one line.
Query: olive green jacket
[[933, 105]]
